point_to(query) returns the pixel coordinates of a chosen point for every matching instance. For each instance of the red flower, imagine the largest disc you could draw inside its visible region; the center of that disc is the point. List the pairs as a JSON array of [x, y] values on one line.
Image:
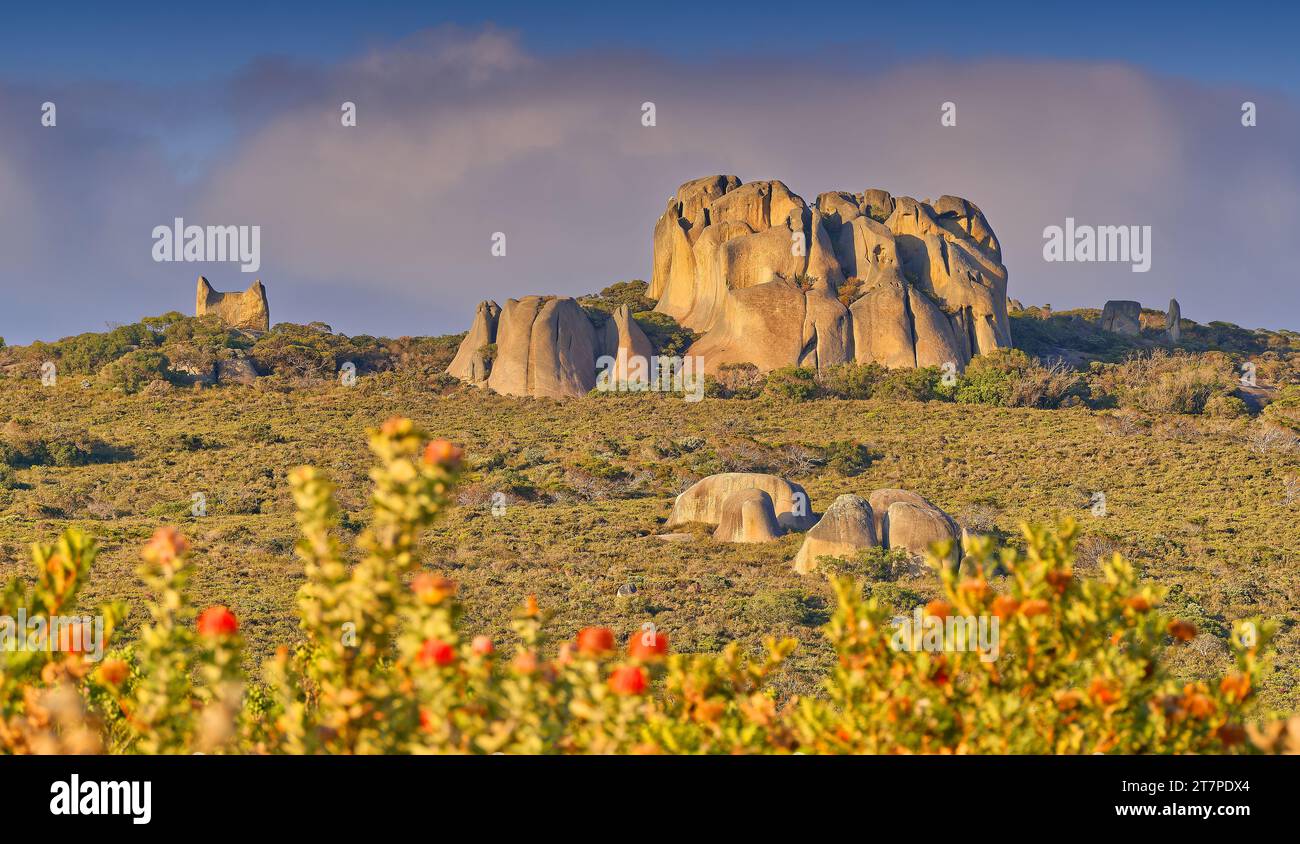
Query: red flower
[[436, 652], [647, 645], [217, 621], [595, 640], [627, 680], [482, 645]]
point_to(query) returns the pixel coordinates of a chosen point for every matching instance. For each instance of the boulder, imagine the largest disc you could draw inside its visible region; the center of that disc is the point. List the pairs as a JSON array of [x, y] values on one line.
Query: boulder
[[748, 516], [1122, 317], [914, 527], [881, 500], [847, 525], [546, 347], [470, 363], [236, 371], [247, 311], [702, 502], [1173, 322]]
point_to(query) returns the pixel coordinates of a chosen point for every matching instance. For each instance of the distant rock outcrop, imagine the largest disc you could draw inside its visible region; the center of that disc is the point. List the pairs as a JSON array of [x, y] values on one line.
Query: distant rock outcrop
[[1173, 322], [847, 526], [247, 311], [1122, 317], [702, 502], [473, 362], [916, 526], [748, 515], [767, 279], [760, 273]]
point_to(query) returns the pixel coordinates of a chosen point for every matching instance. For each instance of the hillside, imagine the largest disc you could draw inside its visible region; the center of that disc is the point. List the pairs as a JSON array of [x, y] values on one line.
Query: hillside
[[1200, 492]]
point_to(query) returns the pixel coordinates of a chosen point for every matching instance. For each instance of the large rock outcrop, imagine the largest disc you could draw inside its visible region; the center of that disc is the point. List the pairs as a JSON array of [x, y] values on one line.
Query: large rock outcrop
[[247, 311], [847, 526], [748, 515], [703, 501], [766, 277]]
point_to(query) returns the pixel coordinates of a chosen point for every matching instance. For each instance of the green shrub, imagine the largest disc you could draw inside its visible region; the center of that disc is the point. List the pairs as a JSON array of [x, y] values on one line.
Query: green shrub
[[848, 458], [911, 384], [792, 383], [136, 370], [852, 380]]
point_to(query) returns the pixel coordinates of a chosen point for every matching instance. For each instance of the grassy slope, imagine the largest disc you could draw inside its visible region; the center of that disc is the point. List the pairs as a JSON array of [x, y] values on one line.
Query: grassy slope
[[1187, 499]]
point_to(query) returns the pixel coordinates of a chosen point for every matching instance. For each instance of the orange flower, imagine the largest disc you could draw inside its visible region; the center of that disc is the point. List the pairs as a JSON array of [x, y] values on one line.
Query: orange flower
[[1138, 603], [976, 588], [525, 663], [1183, 631], [394, 426], [482, 645], [443, 453], [648, 645], [217, 621], [166, 545], [436, 652], [432, 589], [595, 640], [1033, 607], [1235, 686], [113, 672], [1060, 580], [1198, 705], [1005, 606], [627, 680], [938, 608], [1067, 700], [1102, 691], [530, 606]]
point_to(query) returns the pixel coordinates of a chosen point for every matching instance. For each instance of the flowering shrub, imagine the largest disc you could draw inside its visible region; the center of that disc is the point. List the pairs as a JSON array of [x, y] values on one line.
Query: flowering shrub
[[383, 666]]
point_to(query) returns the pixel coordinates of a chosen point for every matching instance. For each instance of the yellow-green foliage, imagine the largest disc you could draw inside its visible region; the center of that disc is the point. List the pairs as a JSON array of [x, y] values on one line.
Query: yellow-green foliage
[[384, 667]]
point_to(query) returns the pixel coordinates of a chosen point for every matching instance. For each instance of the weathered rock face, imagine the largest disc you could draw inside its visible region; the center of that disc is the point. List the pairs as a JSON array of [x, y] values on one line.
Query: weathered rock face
[[702, 502], [759, 272], [847, 525], [546, 347], [471, 363], [748, 515], [247, 311], [915, 527], [1173, 322], [1122, 317], [624, 341]]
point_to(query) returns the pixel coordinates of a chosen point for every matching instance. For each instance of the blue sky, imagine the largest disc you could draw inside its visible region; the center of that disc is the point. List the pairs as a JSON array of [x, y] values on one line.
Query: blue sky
[[1251, 43], [525, 119]]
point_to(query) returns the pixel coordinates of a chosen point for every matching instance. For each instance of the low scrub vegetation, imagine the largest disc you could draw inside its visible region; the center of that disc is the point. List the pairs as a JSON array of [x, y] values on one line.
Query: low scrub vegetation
[[384, 664]]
